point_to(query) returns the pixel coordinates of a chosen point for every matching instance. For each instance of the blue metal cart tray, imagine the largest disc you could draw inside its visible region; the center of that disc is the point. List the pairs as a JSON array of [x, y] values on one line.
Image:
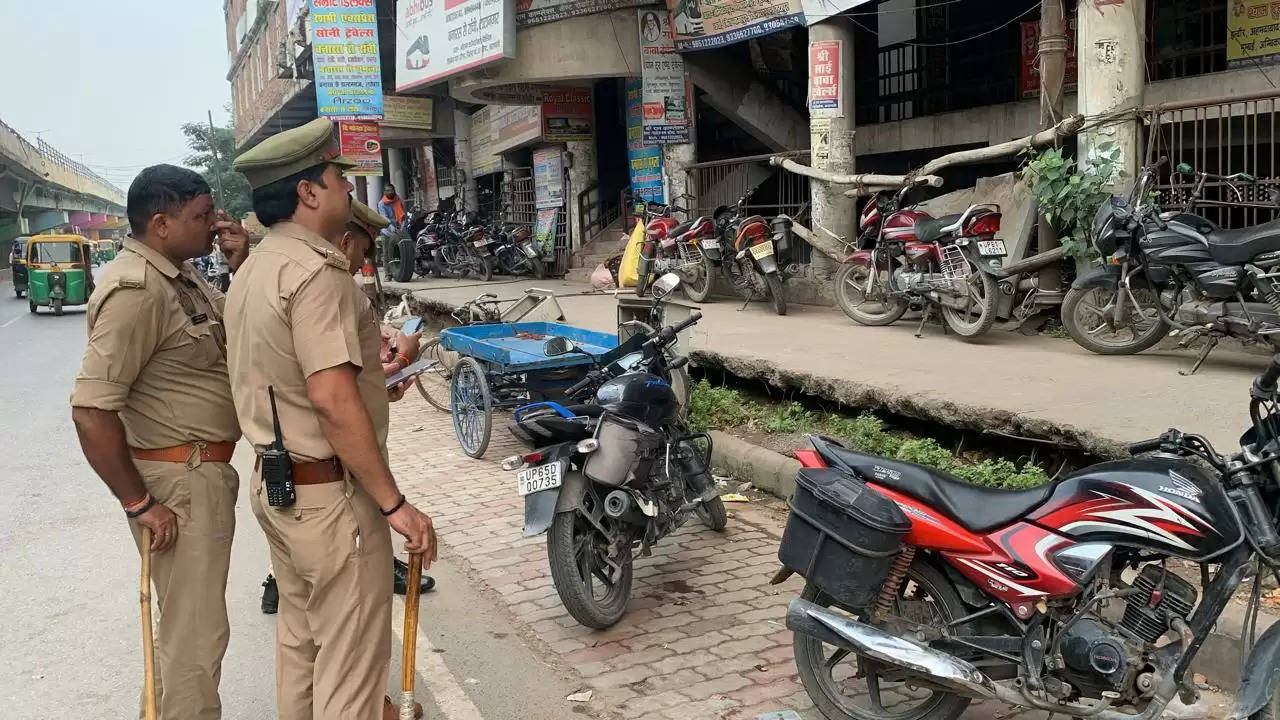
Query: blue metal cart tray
[[517, 347]]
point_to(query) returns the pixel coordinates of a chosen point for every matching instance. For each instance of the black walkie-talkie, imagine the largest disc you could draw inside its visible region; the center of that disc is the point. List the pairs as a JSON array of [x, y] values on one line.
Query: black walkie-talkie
[[277, 466]]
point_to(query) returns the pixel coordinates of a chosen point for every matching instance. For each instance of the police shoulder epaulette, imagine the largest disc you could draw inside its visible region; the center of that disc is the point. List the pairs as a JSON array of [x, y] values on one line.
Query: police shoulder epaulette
[[130, 274]]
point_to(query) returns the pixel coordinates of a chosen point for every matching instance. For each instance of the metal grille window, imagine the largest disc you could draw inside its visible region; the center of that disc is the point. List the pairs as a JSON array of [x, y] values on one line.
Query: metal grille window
[[776, 192]]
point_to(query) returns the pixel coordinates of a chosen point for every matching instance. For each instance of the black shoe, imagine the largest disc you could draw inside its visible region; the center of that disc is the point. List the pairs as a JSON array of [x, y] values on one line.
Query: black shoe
[[401, 574], [270, 596]]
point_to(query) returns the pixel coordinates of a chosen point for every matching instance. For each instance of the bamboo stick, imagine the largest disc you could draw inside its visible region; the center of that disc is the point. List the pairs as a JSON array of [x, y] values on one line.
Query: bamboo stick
[[148, 640], [408, 661]]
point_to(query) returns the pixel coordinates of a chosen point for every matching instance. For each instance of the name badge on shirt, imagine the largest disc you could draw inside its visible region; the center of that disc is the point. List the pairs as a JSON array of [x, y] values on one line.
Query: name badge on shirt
[[200, 318]]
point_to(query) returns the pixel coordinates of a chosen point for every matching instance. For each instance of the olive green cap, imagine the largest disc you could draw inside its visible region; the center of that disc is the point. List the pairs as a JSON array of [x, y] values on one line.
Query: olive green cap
[[367, 219], [291, 151]]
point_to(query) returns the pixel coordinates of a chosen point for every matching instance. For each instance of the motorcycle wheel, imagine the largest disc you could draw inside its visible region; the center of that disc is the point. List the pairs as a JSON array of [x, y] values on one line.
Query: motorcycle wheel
[[642, 283], [483, 268], [854, 302], [576, 552], [539, 268], [57, 307], [698, 288], [433, 384], [1086, 316], [774, 281], [1272, 710], [980, 315], [404, 256], [840, 683]]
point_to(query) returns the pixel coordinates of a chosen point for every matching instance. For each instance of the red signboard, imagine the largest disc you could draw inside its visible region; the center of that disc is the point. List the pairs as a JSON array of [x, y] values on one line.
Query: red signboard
[[824, 78], [1031, 57], [362, 144]]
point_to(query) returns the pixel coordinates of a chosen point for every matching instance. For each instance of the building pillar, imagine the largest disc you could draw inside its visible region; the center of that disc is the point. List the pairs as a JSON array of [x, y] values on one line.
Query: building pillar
[[831, 133], [677, 187], [395, 171], [360, 187], [374, 191], [582, 175], [464, 179], [1111, 54]]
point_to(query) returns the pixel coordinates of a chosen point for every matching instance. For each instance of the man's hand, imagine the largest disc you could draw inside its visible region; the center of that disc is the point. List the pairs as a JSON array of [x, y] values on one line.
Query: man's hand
[[232, 239], [408, 345], [419, 534], [163, 525]]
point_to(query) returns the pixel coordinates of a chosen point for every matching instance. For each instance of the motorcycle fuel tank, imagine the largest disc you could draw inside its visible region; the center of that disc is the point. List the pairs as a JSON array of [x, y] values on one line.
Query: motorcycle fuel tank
[[1164, 505], [902, 224], [640, 396]]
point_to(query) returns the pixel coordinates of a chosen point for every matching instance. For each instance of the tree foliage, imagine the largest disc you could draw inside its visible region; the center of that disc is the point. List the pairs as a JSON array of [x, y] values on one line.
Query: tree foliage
[[1069, 192], [235, 195]]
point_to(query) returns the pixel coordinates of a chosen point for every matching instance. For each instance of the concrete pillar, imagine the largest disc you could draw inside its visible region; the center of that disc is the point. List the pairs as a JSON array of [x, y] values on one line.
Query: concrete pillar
[[831, 132], [373, 185], [582, 175], [360, 188], [395, 171], [464, 181], [676, 186], [1112, 52]]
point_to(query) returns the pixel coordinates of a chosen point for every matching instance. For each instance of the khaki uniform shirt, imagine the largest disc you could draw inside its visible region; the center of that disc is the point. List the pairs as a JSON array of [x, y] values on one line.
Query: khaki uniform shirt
[[292, 312], [157, 353]]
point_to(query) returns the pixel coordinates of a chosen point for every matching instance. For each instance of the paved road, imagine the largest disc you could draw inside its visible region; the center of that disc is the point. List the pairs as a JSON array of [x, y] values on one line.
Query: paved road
[[68, 577]]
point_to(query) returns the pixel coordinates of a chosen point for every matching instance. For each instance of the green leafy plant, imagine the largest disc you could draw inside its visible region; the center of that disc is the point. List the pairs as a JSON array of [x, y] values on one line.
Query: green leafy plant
[[1069, 192]]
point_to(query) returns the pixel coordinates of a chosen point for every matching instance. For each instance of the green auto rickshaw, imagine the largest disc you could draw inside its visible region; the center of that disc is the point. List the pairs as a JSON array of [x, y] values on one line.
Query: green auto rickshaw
[[105, 251], [58, 272]]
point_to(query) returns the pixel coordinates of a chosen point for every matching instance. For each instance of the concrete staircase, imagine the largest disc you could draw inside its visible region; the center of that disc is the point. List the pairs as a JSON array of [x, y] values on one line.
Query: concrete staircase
[[599, 248]]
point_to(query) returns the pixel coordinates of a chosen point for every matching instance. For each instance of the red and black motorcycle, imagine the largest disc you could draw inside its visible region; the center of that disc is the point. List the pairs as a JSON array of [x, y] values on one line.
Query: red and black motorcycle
[[926, 592], [682, 248]]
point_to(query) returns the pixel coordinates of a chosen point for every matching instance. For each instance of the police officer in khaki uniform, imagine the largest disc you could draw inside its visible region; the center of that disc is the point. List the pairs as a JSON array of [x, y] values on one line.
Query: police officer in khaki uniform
[[299, 326], [152, 406]]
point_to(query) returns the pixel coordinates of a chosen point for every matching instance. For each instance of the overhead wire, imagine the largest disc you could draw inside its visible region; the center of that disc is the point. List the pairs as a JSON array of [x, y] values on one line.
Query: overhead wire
[[971, 38]]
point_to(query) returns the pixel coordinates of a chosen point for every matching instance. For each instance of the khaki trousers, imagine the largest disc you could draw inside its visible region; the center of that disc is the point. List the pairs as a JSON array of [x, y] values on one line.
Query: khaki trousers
[[331, 554], [190, 581]]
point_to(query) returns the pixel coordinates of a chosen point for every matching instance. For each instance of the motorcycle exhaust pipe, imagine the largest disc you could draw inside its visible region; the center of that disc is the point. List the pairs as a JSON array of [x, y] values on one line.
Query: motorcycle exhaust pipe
[[937, 667]]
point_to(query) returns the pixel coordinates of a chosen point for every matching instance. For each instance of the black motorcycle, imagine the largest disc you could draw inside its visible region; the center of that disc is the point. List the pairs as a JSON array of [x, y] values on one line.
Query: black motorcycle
[[756, 253], [465, 248], [615, 470], [1174, 270], [516, 253]]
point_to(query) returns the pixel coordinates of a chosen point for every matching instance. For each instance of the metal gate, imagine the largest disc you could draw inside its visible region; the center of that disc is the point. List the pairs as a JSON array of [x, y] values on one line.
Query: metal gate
[[722, 182], [520, 207]]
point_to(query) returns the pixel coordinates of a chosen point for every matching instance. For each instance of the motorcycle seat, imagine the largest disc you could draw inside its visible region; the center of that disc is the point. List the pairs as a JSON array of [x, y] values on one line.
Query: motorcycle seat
[[1236, 247], [680, 229], [977, 509], [691, 225], [928, 230]]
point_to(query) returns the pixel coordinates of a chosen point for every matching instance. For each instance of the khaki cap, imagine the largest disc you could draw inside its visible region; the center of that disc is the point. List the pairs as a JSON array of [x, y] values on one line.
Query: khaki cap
[[291, 151], [367, 219]]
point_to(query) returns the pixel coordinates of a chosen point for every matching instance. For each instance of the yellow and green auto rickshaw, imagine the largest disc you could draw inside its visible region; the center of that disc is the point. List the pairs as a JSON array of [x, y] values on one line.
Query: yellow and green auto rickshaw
[[105, 251], [58, 272]]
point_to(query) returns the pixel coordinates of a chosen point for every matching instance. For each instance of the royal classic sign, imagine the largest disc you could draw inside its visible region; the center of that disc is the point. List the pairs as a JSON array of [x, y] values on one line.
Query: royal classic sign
[[436, 39]]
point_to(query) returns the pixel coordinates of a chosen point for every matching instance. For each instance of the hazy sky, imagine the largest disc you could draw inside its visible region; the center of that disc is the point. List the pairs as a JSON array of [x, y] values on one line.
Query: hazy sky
[[109, 83]]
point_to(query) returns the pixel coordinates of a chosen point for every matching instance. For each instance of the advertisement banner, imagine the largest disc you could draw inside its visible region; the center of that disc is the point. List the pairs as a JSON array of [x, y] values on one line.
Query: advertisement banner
[[514, 126], [548, 177], [406, 112], [705, 24], [1030, 75], [348, 71], [1253, 33], [644, 162], [536, 12], [439, 38], [544, 231], [483, 159], [825, 92], [362, 143], [666, 92], [567, 115]]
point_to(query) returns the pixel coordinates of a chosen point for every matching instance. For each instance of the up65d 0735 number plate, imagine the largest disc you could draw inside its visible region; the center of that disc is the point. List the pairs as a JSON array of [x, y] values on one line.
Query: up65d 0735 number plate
[[539, 478]]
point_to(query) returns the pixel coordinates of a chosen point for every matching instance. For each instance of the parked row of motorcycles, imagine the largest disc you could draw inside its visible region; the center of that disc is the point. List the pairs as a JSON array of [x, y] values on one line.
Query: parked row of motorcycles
[[752, 253], [451, 243]]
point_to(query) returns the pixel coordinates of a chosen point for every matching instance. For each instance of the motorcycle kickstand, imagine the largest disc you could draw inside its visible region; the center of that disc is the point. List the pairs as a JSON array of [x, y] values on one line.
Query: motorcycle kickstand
[[924, 318], [1204, 353]]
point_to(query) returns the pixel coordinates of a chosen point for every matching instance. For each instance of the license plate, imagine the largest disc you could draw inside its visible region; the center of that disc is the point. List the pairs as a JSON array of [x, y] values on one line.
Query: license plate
[[668, 242], [480, 243], [991, 248], [537, 479], [529, 251], [763, 250], [711, 244]]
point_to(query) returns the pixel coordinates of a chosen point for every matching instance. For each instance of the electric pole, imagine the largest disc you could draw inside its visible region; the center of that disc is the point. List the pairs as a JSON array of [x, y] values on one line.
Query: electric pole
[[1053, 70]]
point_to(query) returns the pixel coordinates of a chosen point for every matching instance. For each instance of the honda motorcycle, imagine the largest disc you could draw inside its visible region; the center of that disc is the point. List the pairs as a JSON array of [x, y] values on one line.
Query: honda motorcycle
[[925, 592], [671, 246], [1174, 270], [757, 253], [614, 471]]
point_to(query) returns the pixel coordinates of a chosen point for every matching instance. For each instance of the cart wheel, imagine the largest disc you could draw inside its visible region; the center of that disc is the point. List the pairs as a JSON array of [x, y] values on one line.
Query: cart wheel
[[434, 382], [472, 407]]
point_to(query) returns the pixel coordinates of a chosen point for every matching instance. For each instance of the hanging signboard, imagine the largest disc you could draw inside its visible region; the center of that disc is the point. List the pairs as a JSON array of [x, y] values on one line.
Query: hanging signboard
[[514, 126], [825, 92], [704, 24], [536, 12], [644, 161], [1030, 74], [666, 93], [544, 231], [1253, 33], [439, 38], [348, 69], [548, 177], [483, 159], [406, 112], [567, 115], [361, 143]]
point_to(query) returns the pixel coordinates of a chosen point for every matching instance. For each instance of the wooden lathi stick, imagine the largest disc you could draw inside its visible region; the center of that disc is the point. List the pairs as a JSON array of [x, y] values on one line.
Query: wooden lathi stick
[[148, 642], [408, 662]]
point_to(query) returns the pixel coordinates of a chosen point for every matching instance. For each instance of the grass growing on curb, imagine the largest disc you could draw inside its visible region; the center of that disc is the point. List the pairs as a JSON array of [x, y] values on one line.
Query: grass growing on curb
[[722, 408]]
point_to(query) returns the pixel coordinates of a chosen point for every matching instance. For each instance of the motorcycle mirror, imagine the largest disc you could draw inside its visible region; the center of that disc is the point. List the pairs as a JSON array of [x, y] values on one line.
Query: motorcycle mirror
[[663, 286], [556, 346]]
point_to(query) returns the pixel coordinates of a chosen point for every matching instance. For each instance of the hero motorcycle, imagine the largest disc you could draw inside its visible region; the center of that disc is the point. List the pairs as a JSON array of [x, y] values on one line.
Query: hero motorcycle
[[671, 246], [925, 593], [756, 253]]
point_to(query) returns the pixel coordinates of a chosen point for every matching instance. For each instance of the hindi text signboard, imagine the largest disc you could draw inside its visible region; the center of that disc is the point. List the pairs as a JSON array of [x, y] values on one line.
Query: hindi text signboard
[[361, 142], [440, 38], [348, 69], [666, 92]]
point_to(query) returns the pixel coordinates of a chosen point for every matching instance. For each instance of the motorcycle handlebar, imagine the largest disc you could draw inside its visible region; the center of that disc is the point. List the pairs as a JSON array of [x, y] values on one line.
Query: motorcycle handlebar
[[678, 363], [1145, 446], [1264, 386], [579, 386]]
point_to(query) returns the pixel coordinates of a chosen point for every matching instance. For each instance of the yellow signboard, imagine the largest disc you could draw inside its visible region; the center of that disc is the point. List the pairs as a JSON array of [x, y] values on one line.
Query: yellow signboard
[[406, 112], [1253, 32]]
